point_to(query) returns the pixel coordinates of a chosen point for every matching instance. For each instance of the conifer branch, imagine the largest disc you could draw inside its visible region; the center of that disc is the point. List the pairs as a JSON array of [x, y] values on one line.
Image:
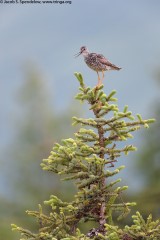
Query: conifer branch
[[87, 160]]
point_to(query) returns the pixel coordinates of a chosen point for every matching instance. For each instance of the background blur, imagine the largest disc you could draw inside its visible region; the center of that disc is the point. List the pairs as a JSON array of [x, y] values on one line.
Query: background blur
[[37, 88]]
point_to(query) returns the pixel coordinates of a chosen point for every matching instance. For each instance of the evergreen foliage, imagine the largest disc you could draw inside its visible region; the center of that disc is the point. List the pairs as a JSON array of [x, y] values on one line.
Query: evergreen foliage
[[148, 165], [35, 126], [89, 160]]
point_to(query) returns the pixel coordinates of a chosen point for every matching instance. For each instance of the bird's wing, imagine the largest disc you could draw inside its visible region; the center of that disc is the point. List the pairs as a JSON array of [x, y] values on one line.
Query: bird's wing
[[100, 58], [105, 61]]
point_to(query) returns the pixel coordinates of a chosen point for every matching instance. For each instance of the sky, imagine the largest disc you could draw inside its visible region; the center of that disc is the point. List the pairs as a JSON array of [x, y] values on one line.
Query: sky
[[48, 35]]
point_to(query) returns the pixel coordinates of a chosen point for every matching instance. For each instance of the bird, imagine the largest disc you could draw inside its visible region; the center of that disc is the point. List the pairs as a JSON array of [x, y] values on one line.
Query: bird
[[97, 62]]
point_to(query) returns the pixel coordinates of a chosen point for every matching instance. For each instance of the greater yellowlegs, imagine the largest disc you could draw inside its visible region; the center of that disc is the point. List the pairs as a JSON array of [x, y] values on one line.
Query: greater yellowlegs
[[97, 62]]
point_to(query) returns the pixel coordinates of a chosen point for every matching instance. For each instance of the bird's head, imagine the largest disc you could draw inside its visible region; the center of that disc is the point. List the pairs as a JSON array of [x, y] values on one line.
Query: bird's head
[[83, 50]]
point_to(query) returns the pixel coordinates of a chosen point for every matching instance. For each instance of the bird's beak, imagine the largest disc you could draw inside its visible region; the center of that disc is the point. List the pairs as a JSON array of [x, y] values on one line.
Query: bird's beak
[[77, 54]]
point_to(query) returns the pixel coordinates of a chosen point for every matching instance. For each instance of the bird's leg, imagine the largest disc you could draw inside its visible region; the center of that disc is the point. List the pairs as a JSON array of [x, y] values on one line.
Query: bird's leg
[[99, 80], [102, 75]]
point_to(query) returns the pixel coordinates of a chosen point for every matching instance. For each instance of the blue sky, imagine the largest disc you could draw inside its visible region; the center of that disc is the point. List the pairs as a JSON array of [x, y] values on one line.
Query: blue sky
[[126, 32]]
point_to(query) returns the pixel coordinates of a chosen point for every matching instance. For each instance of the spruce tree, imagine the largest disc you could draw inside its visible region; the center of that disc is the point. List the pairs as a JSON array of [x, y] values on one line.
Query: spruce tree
[[91, 161]]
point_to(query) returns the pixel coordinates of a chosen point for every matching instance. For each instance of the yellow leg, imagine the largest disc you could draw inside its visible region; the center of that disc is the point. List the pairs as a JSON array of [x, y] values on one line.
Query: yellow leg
[[99, 80], [102, 75]]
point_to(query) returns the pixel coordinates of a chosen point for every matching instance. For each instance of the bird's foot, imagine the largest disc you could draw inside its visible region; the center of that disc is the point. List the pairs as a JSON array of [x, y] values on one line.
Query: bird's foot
[[98, 86]]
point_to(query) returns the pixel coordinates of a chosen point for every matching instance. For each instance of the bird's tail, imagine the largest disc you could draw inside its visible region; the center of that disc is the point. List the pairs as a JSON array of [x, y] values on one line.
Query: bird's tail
[[116, 68]]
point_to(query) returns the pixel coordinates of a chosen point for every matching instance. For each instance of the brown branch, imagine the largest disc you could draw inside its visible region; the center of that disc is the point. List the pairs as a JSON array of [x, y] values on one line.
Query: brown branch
[[101, 140]]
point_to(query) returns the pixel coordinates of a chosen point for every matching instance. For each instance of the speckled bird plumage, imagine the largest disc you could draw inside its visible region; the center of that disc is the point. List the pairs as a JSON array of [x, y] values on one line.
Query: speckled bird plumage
[[97, 62]]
